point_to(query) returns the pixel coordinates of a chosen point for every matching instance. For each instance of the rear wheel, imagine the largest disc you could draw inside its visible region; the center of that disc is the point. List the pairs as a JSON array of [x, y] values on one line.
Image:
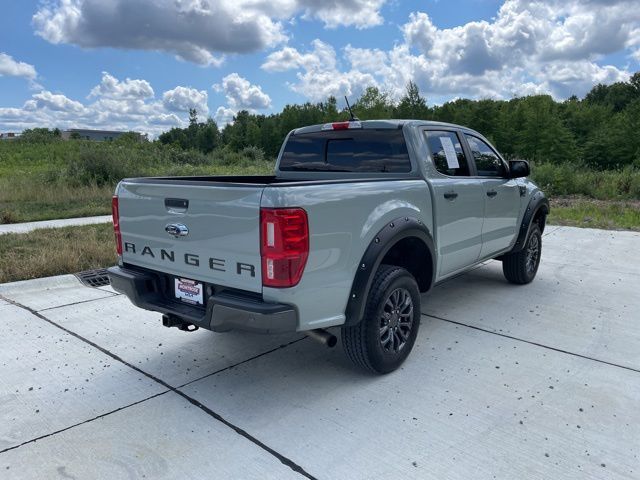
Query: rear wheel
[[521, 267], [385, 336]]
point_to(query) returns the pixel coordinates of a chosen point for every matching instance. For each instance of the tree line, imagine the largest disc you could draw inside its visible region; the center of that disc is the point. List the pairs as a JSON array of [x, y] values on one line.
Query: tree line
[[601, 130]]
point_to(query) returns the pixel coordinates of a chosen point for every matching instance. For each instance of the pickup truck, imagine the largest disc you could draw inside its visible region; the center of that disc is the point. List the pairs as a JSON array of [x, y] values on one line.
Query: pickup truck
[[358, 221]]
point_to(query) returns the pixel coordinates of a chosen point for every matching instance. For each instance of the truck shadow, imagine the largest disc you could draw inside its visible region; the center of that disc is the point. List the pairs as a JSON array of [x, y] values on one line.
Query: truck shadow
[[301, 364]]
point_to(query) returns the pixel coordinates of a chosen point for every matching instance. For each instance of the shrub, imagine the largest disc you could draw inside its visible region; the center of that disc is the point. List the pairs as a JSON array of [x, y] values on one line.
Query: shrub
[[7, 216], [577, 179], [40, 135], [184, 171], [186, 157], [100, 165], [255, 154], [554, 179], [226, 157]]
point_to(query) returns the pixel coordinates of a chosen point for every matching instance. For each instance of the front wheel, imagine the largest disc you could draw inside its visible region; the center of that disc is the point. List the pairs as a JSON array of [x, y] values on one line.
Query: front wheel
[[385, 336], [521, 267]]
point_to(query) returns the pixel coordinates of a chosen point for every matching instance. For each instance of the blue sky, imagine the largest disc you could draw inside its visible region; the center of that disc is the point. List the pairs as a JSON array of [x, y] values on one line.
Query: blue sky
[[140, 64]]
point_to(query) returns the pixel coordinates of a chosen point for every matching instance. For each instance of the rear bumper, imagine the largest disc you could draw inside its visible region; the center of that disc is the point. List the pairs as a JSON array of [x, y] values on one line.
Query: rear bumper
[[224, 311]]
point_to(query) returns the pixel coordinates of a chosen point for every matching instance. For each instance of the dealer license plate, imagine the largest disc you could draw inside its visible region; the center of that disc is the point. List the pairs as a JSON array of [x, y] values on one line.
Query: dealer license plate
[[189, 291]]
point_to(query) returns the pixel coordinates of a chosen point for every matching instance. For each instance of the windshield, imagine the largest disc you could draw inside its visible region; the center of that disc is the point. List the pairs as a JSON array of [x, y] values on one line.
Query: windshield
[[353, 150]]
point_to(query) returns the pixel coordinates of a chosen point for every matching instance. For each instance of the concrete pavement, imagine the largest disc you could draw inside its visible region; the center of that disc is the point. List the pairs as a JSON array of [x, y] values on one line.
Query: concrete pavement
[[66, 222], [535, 381]]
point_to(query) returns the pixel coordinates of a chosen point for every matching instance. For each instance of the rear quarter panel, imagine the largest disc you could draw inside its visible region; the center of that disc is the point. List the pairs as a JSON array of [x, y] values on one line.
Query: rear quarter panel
[[343, 220]]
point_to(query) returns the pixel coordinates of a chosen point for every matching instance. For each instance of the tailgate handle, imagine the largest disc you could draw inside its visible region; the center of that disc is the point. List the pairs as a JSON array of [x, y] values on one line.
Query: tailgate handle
[[176, 205]]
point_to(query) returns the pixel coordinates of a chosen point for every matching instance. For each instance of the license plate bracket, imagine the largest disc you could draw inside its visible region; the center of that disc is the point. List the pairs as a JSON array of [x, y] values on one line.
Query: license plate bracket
[[189, 291]]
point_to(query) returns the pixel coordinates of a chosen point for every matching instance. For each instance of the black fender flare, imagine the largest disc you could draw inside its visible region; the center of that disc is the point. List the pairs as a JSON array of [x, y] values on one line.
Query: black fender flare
[[537, 202], [387, 237]]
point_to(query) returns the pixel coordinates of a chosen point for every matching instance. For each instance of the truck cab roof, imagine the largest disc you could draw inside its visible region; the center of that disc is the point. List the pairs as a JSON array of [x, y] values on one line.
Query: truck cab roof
[[382, 124]]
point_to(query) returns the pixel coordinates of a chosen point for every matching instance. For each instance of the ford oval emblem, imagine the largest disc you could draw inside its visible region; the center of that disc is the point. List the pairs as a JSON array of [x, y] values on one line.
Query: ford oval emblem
[[177, 230]]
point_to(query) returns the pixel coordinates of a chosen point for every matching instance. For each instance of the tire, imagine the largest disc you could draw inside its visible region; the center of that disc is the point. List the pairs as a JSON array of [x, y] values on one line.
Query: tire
[[521, 267], [394, 303]]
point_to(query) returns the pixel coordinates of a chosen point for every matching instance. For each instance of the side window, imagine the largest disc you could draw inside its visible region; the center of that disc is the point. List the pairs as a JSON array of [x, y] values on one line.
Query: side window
[[487, 161], [446, 151]]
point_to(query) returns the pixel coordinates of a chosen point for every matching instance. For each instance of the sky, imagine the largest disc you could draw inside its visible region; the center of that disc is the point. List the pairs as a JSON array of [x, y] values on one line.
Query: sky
[[141, 64]]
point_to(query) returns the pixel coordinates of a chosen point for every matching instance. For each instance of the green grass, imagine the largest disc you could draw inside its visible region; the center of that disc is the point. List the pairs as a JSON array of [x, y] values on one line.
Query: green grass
[[55, 251], [26, 200], [43, 181], [24, 159], [583, 212], [575, 179]]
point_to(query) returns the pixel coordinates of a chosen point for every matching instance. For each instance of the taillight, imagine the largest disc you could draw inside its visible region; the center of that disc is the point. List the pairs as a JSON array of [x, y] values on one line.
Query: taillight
[[284, 245], [115, 212]]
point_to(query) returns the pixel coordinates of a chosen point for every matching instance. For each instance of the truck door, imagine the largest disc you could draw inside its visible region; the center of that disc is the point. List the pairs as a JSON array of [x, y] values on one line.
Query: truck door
[[501, 197], [458, 202]]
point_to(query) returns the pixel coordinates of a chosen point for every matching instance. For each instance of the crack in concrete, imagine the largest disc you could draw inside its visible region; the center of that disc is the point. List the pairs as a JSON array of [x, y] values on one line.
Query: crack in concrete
[[33, 440], [530, 342], [80, 302], [284, 460]]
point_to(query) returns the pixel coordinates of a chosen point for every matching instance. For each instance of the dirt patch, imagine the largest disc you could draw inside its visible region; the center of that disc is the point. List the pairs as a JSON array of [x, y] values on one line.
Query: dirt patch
[[578, 200]]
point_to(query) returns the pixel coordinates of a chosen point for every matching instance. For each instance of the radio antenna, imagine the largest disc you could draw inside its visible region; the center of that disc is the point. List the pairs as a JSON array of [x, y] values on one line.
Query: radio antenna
[[353, 117]]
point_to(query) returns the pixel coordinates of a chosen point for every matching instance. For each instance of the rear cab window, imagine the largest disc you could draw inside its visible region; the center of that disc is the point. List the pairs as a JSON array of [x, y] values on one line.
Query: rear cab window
[[365, 150], [447, 153]]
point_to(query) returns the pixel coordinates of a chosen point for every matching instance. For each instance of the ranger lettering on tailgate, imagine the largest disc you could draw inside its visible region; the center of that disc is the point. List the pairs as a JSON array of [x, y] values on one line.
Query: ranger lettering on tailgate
[[191, 259]]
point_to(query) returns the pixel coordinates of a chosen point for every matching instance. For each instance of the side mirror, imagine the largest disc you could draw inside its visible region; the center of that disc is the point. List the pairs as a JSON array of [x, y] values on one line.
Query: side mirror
[[519, 168]]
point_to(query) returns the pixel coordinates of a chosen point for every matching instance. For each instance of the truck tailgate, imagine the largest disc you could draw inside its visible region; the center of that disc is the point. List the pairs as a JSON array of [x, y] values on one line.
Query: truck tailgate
[[221, 243]]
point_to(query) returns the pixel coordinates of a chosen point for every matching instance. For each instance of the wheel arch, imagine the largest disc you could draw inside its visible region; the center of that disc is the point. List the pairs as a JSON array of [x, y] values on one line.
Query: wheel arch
[[537, 211], [405, 242]]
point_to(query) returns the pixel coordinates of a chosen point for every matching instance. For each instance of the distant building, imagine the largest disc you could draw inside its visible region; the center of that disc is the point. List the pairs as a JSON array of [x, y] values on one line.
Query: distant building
[[9, 136], [97, 135]]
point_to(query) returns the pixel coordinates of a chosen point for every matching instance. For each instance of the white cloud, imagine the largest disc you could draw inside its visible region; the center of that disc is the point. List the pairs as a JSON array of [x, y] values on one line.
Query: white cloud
[[224, 116], [164, 119], [181, 99], [323, 56], [13, 68], [198, 31], [113, 104], [319, 76], [550, 46], [55, 102], [564, 78], [633, 44], [241, 94], [527, 43], [286, 59], [419, 31], [336, 13], [111, 87]]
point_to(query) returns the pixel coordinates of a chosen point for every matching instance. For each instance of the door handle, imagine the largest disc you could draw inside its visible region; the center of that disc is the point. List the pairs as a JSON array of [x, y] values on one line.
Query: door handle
[[450, 195], [492, 193]]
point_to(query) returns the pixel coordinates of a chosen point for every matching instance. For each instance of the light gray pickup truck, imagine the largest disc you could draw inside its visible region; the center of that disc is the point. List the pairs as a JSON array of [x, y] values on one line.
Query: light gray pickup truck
[[359, 219]]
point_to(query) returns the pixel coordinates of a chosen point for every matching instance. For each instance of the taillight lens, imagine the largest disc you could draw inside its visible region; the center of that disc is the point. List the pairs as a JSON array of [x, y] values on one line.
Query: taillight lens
[[284, 245], [115, 212]]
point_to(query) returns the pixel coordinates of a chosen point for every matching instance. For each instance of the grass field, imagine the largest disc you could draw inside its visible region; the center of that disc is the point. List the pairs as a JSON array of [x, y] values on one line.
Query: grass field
[[54, 251], [586, 212], [76, 179], [26, 201], [31, 199]]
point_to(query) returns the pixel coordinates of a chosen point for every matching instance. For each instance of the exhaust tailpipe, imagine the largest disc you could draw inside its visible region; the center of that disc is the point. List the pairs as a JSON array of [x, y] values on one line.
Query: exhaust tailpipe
[[322, 336]]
